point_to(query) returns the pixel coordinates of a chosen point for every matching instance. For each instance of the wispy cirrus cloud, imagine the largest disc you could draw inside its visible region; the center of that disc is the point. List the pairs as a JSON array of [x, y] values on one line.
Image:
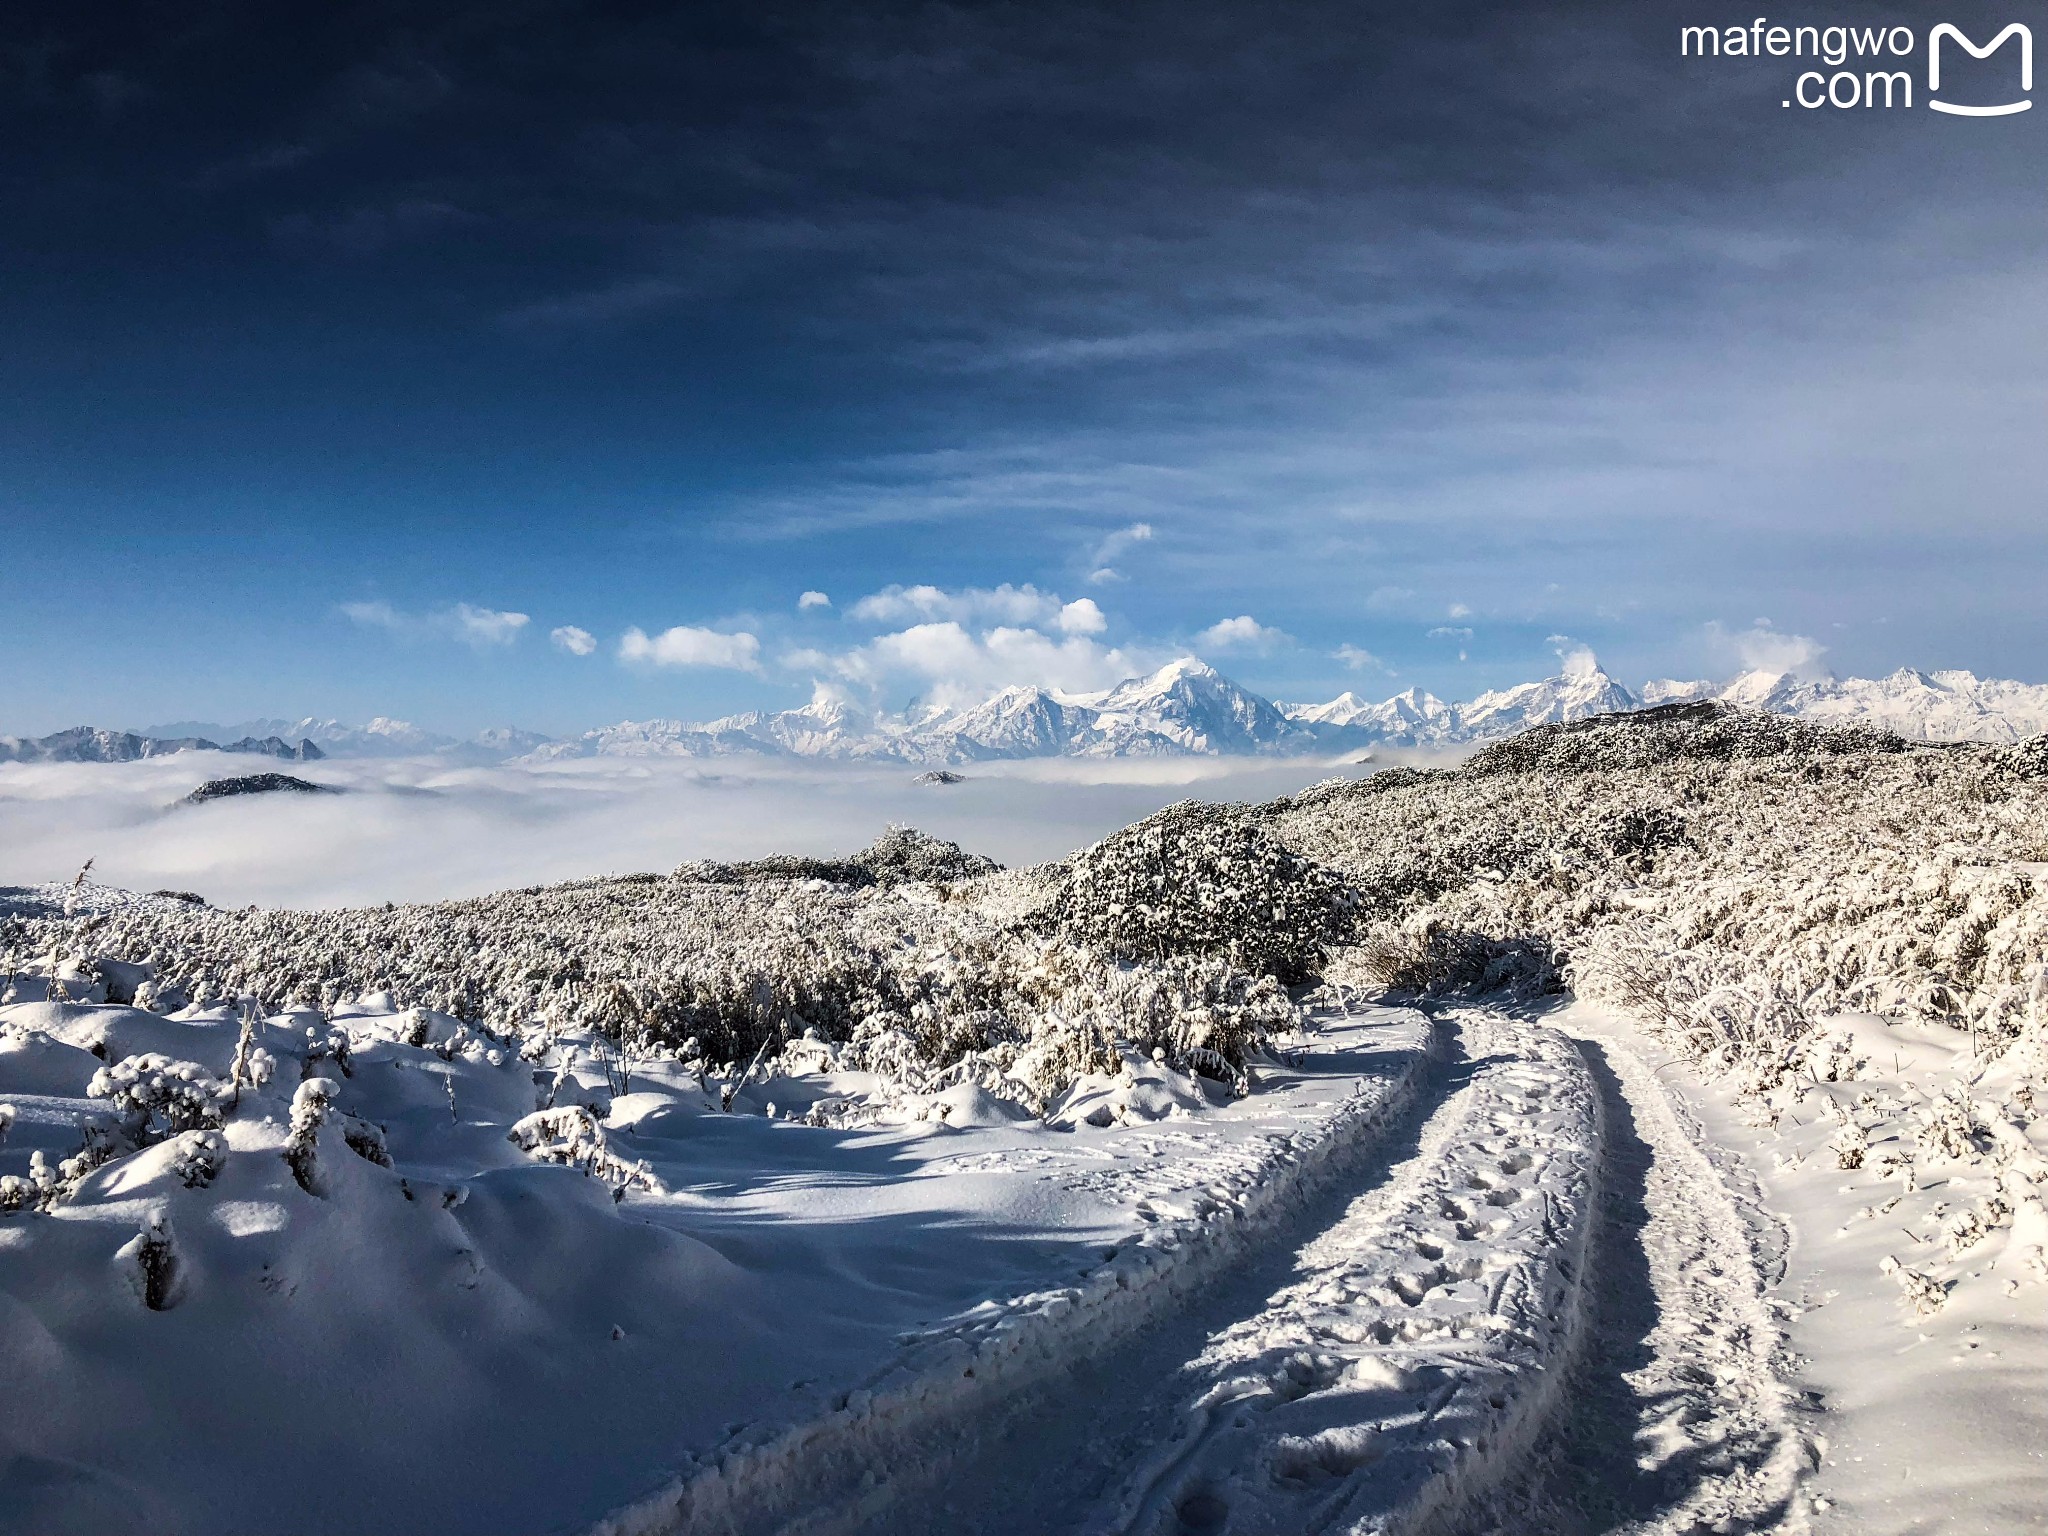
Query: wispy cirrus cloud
[[1102, 559], [1357, 659], [470, 623]]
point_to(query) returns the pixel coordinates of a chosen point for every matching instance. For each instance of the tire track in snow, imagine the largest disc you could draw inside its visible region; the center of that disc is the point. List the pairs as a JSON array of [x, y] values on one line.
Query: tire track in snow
[[922, 1412], [1394, 1360], [1423, 1347], [1683, 1419]]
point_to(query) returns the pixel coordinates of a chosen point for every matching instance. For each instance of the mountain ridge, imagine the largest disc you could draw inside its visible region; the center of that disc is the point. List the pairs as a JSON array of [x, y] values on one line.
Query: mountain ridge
[[1186, 708], [89, 744]]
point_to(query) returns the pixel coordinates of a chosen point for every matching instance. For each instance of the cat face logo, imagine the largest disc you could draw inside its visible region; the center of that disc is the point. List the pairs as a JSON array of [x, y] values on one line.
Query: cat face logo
[[1934, 68]]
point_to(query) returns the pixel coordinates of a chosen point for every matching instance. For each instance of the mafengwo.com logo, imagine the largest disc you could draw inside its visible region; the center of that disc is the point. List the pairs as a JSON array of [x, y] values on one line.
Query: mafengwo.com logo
[[1882, 64]]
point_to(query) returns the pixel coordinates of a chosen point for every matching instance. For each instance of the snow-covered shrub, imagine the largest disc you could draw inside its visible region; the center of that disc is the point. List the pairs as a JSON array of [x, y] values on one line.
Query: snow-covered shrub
[[158, 1097], [199, 1158], [312, 1102], [730, 965], [365, 1140], [1431, 959], [1195, 881], [149, 1259], [1924, 1293], [1726, 876], [332, 1046], [1851, 1145], [906, 854], [571, 1136], [1950, 1125], [899, 855]]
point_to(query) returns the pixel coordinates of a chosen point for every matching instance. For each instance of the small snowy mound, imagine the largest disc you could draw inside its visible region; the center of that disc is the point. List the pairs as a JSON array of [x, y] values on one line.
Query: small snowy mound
[[255, 784], [899, 856]]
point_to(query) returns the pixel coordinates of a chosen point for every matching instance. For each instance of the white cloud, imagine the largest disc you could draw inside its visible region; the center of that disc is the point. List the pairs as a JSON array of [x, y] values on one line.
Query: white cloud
[[473, 625], [1578, 659], [952, 666], [813, 600], [1359, 659], [1448, 632], [1761, 648], [1005, 604], [573, 639], [686, 645], [488, 626], [1082, 617], [1459, 611], [1243, 633], [1110, 548], [376, 615]]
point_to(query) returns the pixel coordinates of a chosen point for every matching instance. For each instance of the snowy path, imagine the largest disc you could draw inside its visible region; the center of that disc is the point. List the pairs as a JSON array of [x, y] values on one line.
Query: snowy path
[[1199, 1205], [1537, 1307], [1682, 1419]]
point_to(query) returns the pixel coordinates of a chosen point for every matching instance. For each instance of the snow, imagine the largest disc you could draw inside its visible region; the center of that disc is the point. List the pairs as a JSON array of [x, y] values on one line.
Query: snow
[[708, 1332], [1427, 1338], [1186, 707], [883, 1193], [1919, 1420]]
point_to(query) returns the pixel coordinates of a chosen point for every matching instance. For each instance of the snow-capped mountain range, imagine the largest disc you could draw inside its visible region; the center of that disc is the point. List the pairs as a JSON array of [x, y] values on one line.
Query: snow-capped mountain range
[[1186, 708], [84, 744]]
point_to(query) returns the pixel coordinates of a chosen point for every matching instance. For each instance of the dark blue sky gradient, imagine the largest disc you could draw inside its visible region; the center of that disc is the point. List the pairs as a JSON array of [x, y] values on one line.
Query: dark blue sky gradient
[[650, 316]]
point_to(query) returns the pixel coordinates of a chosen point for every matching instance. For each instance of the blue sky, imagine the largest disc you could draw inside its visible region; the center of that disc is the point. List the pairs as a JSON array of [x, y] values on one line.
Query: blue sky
[[1411, 342]]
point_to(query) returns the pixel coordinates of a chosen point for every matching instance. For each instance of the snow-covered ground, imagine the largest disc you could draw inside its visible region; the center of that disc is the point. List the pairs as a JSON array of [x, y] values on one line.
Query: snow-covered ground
[[893, 1194], [1910, 1304], [375, 1289]]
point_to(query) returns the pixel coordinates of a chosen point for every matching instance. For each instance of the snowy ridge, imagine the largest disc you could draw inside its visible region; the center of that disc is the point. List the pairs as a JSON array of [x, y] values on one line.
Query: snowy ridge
[[84, 744], [1186, 708], [1923, 706], [758, 1480]]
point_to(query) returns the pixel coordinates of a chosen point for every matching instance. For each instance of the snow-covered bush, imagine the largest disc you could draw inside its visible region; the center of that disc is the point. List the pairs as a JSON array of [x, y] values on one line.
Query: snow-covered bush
[[1725, 876], [900, 855], [312, 1102], [903, 962], [570, 1135], [1195, 880], [199, 1158], [158, 1097], [150, 1261]]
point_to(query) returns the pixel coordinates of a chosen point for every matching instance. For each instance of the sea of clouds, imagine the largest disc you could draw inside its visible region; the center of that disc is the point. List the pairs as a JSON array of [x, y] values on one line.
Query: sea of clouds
[[417, 829]]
